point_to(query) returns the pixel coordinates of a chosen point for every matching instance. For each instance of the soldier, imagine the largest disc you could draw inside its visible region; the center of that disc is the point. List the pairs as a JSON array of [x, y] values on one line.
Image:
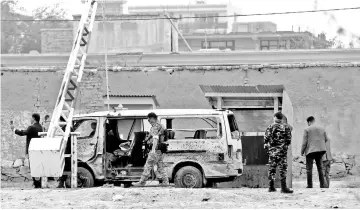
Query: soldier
[[277, 139], [155, 156]]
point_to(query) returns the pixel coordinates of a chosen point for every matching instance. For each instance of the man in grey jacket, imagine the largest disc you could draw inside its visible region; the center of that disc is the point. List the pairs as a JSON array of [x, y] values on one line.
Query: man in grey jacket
[[314, 147]]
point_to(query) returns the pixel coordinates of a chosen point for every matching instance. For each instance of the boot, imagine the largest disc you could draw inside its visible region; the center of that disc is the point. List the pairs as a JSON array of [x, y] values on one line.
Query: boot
[[284, 189], [139, 184], [309, 180], [164, 182], [272, 186]]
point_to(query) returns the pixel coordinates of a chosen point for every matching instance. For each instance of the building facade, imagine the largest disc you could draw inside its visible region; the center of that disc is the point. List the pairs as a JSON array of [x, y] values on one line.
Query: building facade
[[254, 27], [206, 21], [280, 40], [315, 85]]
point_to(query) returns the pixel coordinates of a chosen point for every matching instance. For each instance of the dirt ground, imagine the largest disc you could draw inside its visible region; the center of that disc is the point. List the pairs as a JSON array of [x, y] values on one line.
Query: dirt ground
[[152, 197]]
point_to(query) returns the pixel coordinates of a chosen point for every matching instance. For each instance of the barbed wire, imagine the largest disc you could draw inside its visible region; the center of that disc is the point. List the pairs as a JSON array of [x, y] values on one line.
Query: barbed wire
[[197, 17]]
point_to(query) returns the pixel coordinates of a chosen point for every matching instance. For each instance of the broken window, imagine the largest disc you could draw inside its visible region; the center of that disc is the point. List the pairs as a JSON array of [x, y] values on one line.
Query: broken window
[[196, 127], [86, 128], [235, 134], [127, 127]]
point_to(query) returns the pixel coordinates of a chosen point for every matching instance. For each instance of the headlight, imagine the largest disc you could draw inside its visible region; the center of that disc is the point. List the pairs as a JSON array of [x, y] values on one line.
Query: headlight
[[123, 172]]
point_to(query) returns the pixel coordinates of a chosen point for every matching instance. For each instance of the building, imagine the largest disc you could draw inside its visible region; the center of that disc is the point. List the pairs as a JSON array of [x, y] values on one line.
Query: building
[[206, 21], [131, 34], [280, 40], [315, 84], [254, 27]]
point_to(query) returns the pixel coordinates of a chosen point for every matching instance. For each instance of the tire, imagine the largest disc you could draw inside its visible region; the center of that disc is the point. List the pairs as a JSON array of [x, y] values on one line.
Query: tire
[[188, 177], [85, 179], [127, 184]]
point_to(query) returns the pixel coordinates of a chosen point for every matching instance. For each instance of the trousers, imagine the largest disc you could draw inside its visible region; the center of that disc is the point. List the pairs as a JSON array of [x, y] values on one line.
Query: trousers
[[154, 159], [317, 156], [277, 160]]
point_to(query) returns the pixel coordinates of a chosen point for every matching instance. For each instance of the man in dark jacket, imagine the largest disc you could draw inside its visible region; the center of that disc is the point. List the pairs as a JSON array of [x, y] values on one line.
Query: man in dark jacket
[[314, 147], [31, 132]]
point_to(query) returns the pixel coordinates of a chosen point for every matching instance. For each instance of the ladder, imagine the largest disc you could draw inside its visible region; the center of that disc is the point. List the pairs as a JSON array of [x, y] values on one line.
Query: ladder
[[65, 103]]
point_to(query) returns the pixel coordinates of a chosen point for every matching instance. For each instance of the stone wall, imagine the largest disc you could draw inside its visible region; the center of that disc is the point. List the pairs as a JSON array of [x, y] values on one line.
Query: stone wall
[[56, 40], [329, 93]]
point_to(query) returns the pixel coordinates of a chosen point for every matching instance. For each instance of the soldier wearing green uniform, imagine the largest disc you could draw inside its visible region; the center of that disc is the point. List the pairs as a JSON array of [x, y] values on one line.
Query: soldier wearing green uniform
[[155, 156], [277, 140]]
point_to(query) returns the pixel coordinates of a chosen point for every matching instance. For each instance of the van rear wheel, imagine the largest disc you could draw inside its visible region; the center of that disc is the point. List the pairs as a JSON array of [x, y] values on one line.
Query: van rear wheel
[[188, 177]]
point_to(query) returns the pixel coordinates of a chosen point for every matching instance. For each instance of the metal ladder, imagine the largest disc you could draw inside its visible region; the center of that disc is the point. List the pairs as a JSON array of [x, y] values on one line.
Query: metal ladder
[[65, 103]]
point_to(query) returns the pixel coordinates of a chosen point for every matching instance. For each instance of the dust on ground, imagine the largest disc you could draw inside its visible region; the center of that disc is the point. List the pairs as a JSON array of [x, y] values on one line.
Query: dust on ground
[[169, 197]]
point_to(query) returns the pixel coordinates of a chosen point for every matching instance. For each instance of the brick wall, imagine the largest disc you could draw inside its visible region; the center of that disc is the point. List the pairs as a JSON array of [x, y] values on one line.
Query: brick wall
[[56, 40], [25, 93], [328, 93]]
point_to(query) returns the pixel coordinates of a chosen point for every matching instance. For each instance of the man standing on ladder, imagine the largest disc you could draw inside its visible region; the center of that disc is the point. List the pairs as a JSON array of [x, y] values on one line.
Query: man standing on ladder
[[155, 155]]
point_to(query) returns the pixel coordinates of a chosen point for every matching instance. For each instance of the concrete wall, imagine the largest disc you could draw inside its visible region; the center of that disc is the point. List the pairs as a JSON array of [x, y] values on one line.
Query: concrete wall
[[56, 40], [328, 93]]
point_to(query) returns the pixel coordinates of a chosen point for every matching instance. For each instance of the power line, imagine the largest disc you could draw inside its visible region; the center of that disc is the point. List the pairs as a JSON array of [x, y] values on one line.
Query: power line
[[197, 17]]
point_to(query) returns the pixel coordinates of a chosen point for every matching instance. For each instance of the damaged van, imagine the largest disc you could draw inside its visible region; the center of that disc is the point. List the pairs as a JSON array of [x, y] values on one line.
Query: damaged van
[[204, 147]]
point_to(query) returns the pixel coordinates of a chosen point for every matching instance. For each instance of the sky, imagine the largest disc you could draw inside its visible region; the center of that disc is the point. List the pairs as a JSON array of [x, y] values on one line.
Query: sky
[[313, 22]]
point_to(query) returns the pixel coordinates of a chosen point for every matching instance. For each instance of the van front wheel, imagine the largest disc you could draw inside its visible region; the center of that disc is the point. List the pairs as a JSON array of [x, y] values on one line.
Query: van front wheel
[[85, 178], [188, 177]]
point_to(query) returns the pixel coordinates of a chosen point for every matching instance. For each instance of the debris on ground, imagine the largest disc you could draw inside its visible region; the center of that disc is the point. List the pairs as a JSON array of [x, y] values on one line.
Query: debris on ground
[[205, 199], [117, 198]]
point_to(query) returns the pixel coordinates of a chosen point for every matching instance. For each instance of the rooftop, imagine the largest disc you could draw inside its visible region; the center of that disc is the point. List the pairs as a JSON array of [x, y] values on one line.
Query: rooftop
[[242, 89], [189, 60], [159, 112], [134, 96]]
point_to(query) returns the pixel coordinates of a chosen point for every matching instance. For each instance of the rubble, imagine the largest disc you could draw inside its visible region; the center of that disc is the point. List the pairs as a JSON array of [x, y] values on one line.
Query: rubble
[[18, 163], [17, 171], [343, 165], [117, 198]]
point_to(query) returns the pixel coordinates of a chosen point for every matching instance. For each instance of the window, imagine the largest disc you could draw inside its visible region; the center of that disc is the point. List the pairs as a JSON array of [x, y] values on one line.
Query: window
[[272, 44], [235, 134], [86, 128], [264, 45], [222, 45], [196, 127], [127, 127]]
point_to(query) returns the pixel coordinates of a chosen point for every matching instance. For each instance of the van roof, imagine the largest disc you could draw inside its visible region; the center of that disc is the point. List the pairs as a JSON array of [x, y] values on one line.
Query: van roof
[[159, 112]]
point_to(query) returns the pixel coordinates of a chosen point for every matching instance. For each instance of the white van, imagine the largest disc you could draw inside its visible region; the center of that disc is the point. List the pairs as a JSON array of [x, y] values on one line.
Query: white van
[[204, 147]]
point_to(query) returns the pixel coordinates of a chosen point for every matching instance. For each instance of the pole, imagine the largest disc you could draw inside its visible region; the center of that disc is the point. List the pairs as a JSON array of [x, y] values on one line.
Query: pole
[[74, 159], [172, 23], [106, 66]]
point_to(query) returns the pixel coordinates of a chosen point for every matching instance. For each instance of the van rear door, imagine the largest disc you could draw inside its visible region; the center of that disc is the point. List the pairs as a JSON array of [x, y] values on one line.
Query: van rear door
[[234, 142]]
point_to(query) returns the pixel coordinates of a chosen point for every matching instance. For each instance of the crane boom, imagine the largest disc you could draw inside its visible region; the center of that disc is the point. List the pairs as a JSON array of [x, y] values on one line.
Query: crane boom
[[47, 155]]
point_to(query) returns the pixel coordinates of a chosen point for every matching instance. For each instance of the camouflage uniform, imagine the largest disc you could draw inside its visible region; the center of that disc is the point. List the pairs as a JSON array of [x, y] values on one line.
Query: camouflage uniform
[[155, 158], [277, 140]]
